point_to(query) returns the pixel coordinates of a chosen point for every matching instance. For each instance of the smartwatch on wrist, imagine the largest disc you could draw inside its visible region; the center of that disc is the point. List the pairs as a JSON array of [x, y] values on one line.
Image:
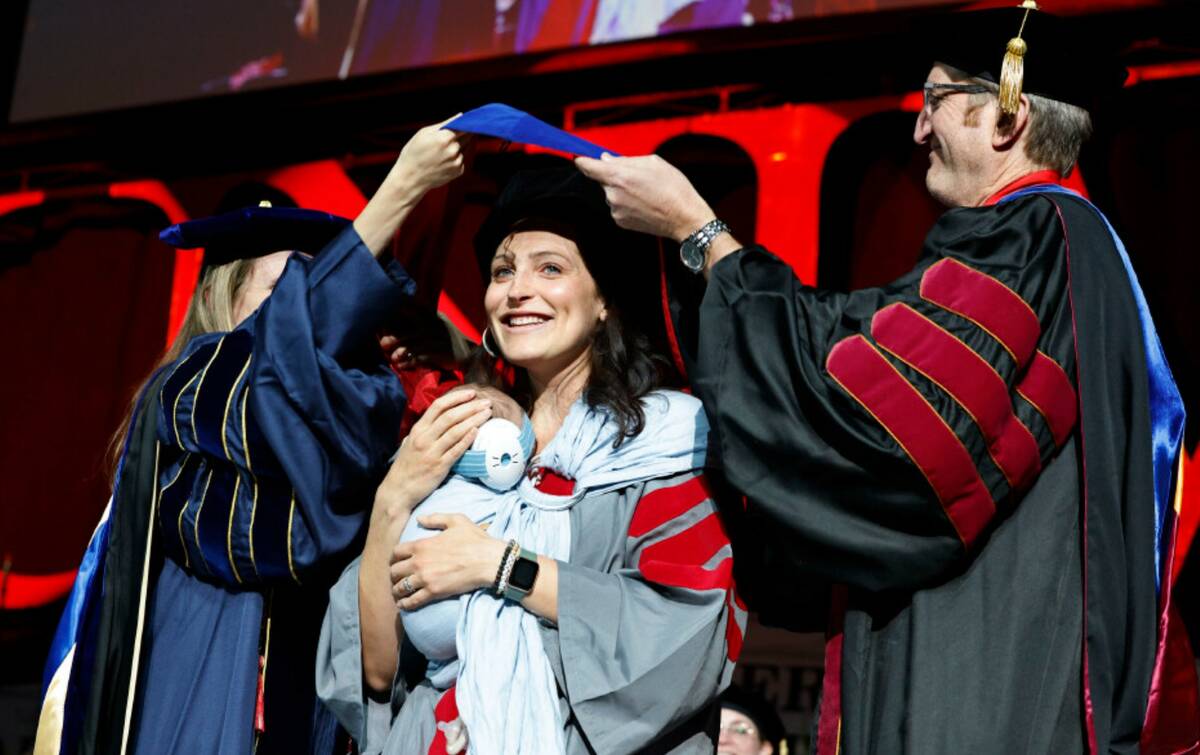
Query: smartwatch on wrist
[[523, 575], [694, 250]]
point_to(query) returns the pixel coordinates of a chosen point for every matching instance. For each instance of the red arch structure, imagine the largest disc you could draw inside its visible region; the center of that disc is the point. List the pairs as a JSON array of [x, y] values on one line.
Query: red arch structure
[[19, 589]]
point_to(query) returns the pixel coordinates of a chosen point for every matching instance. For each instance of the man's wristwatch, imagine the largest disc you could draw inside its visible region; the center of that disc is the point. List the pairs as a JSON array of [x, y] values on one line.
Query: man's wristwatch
[[694, 250], [523, 575]]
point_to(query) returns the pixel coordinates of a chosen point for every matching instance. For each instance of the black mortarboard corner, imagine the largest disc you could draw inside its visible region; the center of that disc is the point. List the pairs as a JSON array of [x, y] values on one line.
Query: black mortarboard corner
[[1024, 49], [757, 709], [254, 232]]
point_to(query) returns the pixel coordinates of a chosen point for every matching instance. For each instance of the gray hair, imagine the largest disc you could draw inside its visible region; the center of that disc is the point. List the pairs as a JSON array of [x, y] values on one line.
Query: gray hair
[[1057, 130]]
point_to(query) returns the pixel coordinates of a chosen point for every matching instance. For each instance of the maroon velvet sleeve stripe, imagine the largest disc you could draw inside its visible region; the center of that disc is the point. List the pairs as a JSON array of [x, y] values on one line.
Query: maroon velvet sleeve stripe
[[957, 369], [985, 301], [1048, 388], [679, 560], [658, 507], [920, 431]]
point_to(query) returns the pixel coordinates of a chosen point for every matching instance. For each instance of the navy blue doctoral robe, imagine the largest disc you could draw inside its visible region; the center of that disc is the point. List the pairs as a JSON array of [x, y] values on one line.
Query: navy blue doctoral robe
[[272, 439]]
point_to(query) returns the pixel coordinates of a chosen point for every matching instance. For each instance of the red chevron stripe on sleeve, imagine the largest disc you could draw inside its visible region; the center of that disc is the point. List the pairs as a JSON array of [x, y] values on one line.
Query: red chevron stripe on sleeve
[[957, 369], [661, 506], [985, 301], [919, 430], [678, 561], [1047, 386]]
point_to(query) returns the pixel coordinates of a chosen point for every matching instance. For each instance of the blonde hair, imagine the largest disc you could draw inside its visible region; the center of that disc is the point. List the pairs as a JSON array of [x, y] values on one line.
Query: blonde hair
[[210, 311]]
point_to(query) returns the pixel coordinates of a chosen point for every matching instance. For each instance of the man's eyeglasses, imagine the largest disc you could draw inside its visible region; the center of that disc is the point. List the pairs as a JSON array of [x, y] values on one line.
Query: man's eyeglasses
[[739, 729], [935, 91]]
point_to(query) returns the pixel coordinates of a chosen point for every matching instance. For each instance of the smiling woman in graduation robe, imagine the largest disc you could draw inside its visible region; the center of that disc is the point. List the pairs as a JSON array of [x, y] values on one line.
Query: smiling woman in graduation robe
[[587, 607]]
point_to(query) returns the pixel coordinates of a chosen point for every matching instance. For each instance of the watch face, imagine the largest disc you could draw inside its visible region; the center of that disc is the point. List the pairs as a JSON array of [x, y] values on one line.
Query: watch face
[[691, 255], [524, 572]]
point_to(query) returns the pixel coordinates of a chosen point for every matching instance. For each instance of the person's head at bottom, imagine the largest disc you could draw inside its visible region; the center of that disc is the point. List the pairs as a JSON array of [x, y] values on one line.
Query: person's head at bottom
[[749, 724], [565, 290], [984, 129]]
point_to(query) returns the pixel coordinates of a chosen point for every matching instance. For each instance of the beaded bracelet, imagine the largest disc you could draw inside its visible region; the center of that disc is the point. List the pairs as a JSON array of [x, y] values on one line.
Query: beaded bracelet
[[501, 580], [510, 560]]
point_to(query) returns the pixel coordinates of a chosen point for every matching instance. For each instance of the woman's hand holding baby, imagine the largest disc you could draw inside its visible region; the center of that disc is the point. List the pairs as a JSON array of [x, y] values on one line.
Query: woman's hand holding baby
[[437, 440], [461, 559]]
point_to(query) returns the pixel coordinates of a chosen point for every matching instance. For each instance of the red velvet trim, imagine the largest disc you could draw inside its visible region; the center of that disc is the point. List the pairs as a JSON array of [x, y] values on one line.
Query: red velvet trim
[[444, 712], [918, 429], [985, 301], [733, 632], [1031, 179], [661, 506], [668, 323], [1089, 707], [1048, 388], [1188, 490], [260, 719], [552, 483], [829, 727], [679, 560], [1172, 723], [957, 369]]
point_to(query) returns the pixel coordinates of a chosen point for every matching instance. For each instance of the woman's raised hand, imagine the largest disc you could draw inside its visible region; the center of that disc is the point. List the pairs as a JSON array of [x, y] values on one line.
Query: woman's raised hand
[[433, 157], [436, 441]]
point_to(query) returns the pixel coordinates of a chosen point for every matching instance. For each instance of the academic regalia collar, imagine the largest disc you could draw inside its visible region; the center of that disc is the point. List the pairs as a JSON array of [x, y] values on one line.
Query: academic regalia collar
[[1029, 179]]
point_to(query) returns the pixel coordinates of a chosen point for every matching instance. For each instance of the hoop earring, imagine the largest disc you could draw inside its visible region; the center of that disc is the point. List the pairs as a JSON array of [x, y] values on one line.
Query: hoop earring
[[483, 341]]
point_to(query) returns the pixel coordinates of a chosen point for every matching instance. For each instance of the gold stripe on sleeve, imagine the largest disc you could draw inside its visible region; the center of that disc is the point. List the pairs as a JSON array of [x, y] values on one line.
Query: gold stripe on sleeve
[[246, 438], [229, 403], [237, 484], [187, 561], [196, 395], [196, 523], [175, 411], [250, 533], [162, 392], [291, 519]]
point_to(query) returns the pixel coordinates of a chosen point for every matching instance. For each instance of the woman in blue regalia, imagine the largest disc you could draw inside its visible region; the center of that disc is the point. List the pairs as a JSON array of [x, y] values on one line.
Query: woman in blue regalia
[[244, 483]]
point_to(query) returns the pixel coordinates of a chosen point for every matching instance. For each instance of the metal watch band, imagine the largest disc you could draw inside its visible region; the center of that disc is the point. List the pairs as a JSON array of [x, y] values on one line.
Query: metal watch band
[[693, 252], [703, 238], [511, 552]]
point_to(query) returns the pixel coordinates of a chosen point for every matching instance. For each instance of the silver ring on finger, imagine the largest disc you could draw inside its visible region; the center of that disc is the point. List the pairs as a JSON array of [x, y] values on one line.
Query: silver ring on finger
[[407, 584]]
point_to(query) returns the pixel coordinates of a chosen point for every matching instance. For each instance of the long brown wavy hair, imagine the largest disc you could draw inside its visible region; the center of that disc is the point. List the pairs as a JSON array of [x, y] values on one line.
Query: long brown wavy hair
[[626, 364]]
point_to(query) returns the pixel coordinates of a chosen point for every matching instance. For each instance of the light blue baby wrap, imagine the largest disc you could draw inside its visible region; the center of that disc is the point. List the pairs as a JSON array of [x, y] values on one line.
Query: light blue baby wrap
[[491, 647]]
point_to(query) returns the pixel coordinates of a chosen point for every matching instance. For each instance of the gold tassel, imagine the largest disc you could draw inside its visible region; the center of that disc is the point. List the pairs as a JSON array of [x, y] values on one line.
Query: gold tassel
[[1012, 74]]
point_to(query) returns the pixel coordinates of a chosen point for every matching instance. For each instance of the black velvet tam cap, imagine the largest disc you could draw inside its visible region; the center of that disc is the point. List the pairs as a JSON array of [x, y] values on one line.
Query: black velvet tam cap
[[624, 264], [563, 198], [1060, 62], [255, 232]]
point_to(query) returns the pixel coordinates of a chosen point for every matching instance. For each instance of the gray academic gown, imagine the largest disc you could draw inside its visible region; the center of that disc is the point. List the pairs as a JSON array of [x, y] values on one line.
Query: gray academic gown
[[649, 629]]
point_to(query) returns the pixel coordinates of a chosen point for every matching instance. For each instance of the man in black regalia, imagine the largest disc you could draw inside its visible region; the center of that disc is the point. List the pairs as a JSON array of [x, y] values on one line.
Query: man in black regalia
[[969, 469]]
